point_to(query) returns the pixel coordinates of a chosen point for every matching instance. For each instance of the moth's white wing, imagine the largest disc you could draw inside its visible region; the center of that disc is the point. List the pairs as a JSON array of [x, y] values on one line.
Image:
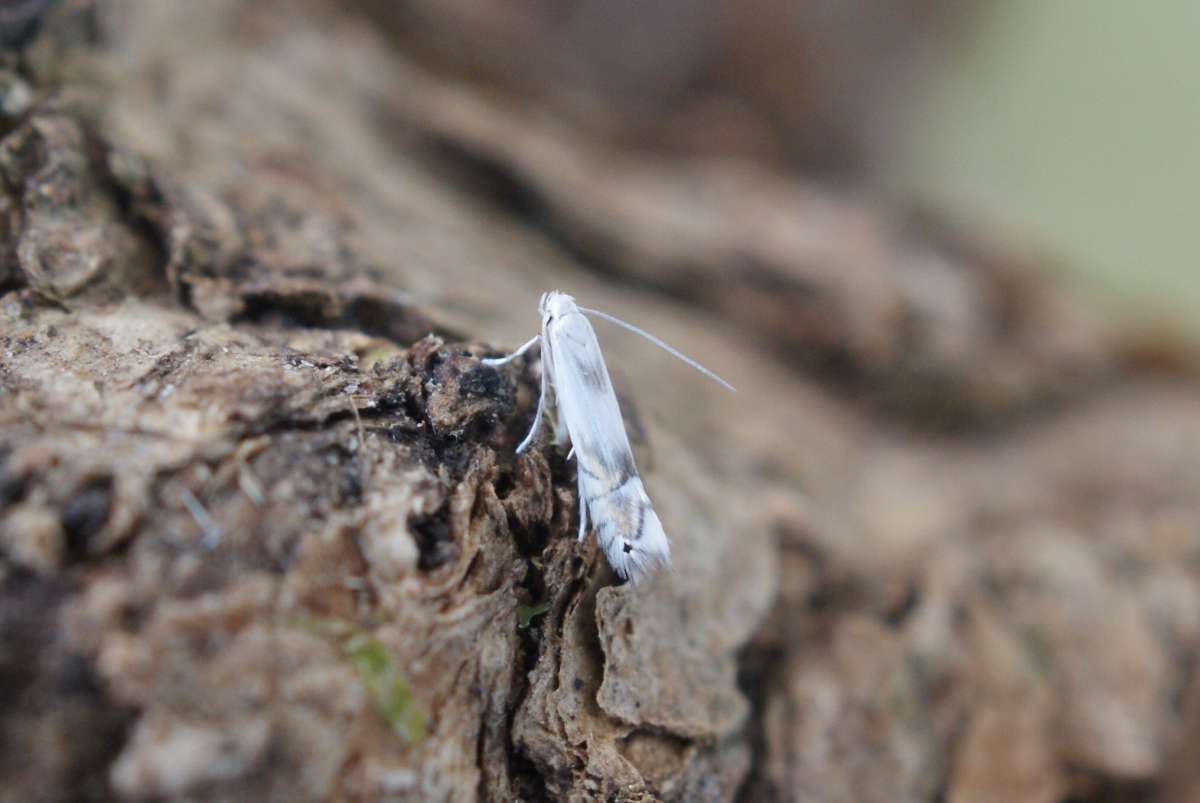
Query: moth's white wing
[[625, 523], [627, 528], [585, 397]]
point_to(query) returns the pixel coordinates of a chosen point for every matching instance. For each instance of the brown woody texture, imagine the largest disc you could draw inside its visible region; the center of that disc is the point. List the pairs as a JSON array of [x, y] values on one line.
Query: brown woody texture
[[262, 532]]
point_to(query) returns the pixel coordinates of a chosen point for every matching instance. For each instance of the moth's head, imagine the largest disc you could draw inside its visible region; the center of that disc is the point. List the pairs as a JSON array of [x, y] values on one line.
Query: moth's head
[[555, 304]]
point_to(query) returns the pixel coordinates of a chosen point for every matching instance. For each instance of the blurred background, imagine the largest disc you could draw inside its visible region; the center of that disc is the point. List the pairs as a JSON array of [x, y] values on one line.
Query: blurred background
[[1070, 124], [1075, 122]]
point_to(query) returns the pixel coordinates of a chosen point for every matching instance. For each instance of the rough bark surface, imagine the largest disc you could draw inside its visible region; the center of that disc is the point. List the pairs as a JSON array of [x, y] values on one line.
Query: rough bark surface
[[263, 535]]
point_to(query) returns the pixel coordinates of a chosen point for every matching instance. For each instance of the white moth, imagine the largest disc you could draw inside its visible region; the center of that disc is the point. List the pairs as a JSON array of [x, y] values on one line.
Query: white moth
[[610, 491]]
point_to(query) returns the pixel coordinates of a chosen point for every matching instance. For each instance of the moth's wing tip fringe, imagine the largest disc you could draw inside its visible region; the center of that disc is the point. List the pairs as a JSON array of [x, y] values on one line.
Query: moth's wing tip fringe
[[637, 570]]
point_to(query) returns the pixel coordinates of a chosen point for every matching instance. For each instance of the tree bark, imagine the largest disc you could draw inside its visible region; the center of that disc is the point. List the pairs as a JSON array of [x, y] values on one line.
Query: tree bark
[[263, 534]]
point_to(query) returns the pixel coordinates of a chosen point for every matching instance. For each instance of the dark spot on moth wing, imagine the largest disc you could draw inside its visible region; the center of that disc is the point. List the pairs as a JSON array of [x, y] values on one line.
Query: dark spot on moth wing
[[625, 467], [594, 377], [626, 516]]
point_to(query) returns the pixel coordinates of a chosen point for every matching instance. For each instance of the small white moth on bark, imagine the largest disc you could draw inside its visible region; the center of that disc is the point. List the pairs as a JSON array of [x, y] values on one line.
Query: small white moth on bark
[[611, 494]]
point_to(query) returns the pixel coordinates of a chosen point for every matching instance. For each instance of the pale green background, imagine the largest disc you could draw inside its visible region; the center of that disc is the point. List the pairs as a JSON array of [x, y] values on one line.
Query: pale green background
[[1077, 122]]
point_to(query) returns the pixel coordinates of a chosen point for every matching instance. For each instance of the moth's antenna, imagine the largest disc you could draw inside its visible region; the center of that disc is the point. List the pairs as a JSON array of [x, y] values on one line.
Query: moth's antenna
[[658, 343]]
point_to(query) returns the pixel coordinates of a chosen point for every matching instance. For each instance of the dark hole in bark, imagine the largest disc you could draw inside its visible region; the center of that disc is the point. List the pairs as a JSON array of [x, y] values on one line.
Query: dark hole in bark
[[84, 514], [435, 539], [12, 485], [902, 610]]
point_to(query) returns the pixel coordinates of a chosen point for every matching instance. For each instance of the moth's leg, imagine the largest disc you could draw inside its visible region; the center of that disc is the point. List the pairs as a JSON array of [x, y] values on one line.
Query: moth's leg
[[561, 435], [571, 453], [541, 409], [494, 361], [582, 505]]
